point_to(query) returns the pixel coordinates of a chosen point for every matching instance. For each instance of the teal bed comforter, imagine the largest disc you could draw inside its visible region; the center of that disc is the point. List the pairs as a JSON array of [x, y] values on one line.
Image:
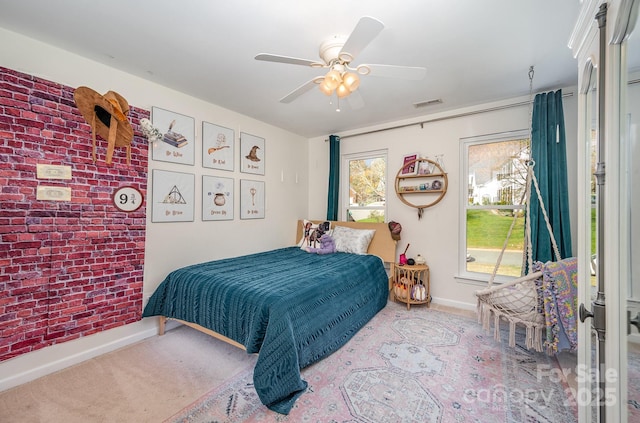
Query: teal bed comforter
[[291, 307]]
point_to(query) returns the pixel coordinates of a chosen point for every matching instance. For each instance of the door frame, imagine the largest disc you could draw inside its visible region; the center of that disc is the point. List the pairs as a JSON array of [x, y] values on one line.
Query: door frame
[[621, 17]]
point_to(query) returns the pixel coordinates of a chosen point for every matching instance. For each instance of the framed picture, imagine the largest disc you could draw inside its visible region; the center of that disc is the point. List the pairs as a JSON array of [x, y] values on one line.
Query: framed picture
[[218, 146], [251, 154], [252, 197], [178, 141], [217, 198], [425, 167], [173, 196], [409, 165]]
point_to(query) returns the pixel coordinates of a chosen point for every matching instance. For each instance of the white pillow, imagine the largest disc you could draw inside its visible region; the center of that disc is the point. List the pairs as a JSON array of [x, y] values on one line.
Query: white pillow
[[311, 233], [350, 240]]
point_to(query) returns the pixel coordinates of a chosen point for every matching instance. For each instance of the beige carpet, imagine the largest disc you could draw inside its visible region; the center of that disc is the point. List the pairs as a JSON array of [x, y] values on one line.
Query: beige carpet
[[145, 382]]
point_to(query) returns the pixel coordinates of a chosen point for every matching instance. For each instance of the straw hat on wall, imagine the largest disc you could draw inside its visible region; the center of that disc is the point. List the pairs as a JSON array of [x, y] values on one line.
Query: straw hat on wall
[[107, 116]]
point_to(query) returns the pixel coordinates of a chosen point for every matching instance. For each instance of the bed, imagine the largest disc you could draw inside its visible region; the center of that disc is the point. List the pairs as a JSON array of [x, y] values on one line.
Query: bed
[[290, 307]]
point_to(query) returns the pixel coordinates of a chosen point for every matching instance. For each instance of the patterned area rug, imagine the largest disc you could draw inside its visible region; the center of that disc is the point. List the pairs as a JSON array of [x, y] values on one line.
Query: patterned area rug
[[633, 381], [418, 365]]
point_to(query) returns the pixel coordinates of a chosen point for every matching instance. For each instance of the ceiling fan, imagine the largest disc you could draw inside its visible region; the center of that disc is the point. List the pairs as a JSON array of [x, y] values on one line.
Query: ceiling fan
[[337, 53]]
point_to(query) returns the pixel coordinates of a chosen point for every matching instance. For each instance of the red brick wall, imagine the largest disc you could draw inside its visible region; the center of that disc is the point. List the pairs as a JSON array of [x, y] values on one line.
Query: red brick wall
[[67, 269]]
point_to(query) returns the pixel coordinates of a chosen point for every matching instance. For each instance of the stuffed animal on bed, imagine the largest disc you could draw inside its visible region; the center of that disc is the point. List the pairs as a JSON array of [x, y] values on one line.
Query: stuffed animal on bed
[[327, 245]]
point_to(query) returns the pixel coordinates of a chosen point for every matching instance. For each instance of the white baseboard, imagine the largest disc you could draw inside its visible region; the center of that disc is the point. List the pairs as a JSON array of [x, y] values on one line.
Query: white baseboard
[[33, 365], [455, 304]]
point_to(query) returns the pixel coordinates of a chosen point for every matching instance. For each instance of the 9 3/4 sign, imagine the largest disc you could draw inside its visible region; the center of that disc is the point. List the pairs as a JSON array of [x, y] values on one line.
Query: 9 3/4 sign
[[127, 199]]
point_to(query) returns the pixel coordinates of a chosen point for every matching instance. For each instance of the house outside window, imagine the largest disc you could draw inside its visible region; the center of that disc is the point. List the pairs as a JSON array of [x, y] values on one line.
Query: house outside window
[[364, 191], [495, 168]]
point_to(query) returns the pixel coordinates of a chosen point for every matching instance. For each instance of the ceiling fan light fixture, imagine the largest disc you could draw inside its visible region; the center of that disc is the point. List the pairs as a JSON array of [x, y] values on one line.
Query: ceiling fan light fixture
[[351, 81], [332, 79], [342, 91], [325, 88]]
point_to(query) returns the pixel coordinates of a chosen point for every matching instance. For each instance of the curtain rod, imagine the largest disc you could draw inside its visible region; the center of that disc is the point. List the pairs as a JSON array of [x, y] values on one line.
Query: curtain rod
[[459, 115]]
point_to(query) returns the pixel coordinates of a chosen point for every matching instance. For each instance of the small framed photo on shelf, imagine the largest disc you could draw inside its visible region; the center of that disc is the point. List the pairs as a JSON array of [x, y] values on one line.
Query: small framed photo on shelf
[[409, 165], [425, 167]]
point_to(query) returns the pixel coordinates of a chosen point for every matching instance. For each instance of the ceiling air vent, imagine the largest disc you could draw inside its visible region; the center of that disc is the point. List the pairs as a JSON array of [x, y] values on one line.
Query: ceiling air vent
[[427, 103]]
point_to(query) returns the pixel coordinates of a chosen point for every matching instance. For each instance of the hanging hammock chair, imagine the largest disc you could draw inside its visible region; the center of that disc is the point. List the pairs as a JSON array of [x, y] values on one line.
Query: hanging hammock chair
[[543, 301]]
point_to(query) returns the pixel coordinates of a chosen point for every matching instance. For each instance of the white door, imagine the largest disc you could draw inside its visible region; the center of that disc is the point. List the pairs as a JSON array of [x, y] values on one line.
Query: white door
[[609, 112], [593, 216], [629, 293]]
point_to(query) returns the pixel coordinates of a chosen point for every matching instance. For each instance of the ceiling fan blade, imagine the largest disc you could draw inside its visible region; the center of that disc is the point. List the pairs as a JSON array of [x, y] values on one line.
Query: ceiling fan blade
[[392, 71], [286, 59], [365, 31], [307, 86]]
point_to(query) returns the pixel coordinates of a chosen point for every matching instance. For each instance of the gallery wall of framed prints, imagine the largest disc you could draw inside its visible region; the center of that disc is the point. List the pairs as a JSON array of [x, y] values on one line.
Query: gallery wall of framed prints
[[173, 193]]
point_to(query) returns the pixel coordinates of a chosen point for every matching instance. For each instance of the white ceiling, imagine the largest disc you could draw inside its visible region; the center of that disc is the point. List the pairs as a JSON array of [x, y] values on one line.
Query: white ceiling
[[474, 51]]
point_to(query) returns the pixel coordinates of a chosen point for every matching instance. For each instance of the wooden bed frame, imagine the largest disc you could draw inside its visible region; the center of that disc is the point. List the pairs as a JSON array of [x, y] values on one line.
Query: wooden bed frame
[[163, 323], [382, 245]]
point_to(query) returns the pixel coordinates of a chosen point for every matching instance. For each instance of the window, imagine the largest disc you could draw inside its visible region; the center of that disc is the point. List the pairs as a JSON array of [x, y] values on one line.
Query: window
[[364, 186], [495, 168]]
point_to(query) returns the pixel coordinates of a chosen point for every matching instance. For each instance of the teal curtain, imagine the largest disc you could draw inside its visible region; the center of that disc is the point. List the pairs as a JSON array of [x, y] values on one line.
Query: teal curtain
[[548, 151], [334, 177]]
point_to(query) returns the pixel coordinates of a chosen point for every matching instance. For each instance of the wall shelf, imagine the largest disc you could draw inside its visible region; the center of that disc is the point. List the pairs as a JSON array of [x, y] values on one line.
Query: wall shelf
[[422, 190]]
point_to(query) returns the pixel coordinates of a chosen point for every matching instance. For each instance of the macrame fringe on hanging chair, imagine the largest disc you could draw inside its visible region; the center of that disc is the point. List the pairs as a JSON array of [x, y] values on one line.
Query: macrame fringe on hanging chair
[[532, 300]]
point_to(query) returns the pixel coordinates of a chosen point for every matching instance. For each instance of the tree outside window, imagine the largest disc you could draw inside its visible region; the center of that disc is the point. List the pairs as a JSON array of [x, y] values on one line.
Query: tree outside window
[[365, 199]]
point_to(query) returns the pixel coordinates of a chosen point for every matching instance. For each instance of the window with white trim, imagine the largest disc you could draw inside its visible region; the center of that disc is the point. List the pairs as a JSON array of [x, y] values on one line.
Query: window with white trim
[[495, 168], [364, 186]]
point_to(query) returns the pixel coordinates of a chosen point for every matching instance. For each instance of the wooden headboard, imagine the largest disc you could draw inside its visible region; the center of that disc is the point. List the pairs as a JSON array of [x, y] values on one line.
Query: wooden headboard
[[382, 245]]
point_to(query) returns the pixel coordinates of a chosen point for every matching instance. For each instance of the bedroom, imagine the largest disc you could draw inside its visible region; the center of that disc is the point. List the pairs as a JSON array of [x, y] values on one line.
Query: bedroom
[[296, 180]]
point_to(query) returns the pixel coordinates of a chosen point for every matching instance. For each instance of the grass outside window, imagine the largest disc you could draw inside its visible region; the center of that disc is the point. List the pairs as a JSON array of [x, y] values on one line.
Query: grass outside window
[[487, 231]]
